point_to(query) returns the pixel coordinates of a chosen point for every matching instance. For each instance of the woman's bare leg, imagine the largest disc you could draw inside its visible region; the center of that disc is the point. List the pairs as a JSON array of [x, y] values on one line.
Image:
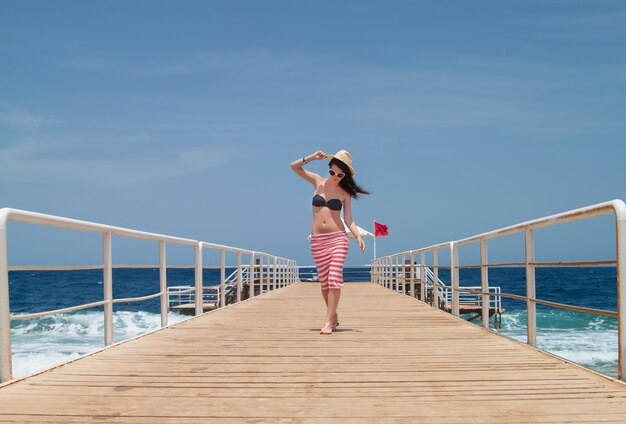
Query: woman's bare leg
[[325, 295], [333, 302]]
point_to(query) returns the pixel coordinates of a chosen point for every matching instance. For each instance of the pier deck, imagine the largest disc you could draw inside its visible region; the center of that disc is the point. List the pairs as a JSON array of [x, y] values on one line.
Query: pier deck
[[392, 360]]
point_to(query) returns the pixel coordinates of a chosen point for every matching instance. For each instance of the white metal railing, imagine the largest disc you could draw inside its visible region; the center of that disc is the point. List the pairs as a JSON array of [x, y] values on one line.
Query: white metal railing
[[384, 267], [185, 295], [398, 279], [473, 296], [275, 271]]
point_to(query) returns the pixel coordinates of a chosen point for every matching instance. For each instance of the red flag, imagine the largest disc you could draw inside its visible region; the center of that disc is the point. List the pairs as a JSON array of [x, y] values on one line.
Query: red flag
[[380, 229]]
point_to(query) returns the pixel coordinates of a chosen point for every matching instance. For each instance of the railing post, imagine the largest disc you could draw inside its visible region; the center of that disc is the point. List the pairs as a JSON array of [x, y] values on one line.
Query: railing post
[[374, 271], [239, 277], [6, 366], [222, 278], [268, 268], [387, 272], [274, 273], [620, 257], [107, 271], [377, 273], [294, 272], [412, 275], [270, 273], [397, 272], [283, 272], [484, 282], [261, 272], [423, 280], [265, 275], [265, 263], [454, 277], [403, 269], [387, 262], [436, 278], [531, 307], [392, 267], [278, 265], [198, 278], [251, 276], [163, 283]]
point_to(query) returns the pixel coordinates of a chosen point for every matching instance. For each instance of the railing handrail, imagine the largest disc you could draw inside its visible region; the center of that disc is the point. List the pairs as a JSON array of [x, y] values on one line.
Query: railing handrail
[[18, 215], [616, 206], [282, 271]]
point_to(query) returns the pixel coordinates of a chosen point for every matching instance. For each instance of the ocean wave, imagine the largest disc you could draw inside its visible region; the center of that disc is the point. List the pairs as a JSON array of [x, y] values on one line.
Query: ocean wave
[[588, 340], [40, 343], [560, 320]]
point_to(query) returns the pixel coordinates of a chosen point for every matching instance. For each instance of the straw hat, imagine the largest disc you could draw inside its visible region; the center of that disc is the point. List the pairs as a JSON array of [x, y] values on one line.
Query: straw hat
[[345, 157]]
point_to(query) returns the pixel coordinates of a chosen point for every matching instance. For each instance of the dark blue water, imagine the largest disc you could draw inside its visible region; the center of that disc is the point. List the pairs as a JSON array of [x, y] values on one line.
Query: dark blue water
[[593, 287], [32, 291]]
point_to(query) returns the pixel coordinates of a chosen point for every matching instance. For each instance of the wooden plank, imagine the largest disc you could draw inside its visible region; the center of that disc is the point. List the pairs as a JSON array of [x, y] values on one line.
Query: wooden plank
[[393, 359]]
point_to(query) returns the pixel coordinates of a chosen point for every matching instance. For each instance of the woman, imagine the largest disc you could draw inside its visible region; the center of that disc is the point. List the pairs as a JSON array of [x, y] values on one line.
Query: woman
[[329, 240]]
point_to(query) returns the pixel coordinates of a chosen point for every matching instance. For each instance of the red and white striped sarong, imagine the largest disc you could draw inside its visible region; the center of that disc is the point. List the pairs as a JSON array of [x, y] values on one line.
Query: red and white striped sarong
[[329, 253]]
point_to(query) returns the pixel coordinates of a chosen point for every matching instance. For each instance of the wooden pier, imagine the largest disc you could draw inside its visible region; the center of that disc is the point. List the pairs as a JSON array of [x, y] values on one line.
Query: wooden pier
[[393, 359]]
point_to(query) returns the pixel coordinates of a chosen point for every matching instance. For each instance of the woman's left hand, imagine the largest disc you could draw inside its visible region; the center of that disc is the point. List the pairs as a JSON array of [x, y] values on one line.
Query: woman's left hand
[[361, 244]]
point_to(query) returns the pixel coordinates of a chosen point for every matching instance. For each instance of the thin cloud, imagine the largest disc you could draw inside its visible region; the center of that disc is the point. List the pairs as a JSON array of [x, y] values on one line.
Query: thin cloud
[[580, 25], [24, 162], [256, 61], [87, 64], [18, 117], [467, 93], [587, 19]]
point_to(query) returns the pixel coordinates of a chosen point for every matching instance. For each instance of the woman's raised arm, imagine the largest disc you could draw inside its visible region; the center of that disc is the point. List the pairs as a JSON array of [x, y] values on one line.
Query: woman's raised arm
[[297, 167]]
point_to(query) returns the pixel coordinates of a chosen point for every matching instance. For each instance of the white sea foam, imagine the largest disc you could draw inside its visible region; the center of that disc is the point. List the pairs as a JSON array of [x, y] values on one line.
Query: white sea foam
[[43, 342], [588, 340]]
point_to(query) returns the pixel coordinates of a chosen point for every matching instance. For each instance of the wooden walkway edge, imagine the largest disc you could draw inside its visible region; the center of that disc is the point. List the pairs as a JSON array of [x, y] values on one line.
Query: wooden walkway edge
[[392, 360]]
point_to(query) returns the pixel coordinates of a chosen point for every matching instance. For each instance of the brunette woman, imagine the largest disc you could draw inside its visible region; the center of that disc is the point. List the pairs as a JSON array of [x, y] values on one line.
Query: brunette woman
[[329, 240]]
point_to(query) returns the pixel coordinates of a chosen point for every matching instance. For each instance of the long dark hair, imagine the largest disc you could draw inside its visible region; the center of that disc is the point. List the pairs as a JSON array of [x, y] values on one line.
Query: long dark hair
[[347, 183]]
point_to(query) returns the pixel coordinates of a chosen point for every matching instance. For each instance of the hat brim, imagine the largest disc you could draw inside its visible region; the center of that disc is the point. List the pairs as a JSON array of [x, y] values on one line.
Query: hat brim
[[349, 166]]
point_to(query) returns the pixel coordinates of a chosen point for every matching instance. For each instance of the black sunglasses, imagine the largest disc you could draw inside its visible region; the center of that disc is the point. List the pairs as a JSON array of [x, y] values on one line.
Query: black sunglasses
[[333, 173]]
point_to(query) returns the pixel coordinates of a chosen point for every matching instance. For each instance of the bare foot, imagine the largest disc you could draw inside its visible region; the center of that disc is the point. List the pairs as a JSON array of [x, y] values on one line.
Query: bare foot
[[336, 322], [327, 328]]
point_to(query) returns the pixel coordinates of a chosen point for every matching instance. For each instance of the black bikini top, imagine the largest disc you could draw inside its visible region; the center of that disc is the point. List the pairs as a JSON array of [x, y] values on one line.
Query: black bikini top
[[334, 204]]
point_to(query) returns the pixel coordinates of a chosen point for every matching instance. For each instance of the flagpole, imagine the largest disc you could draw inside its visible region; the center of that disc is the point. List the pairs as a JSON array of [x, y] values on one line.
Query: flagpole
[[374, 239]]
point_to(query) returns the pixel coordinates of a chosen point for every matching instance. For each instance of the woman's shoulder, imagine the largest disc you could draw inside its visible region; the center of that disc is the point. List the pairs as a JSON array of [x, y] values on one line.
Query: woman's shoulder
[[320, 184]]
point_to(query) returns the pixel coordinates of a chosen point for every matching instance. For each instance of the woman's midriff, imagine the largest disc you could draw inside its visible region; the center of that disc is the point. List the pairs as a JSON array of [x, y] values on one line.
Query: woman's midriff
[[326, 221]]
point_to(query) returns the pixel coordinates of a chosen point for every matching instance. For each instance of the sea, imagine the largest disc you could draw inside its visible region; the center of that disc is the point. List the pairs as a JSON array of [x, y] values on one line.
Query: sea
[[589, 340]]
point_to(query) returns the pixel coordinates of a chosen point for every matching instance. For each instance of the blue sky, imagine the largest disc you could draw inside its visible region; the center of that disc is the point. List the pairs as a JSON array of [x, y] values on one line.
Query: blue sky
[[182, 118]]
